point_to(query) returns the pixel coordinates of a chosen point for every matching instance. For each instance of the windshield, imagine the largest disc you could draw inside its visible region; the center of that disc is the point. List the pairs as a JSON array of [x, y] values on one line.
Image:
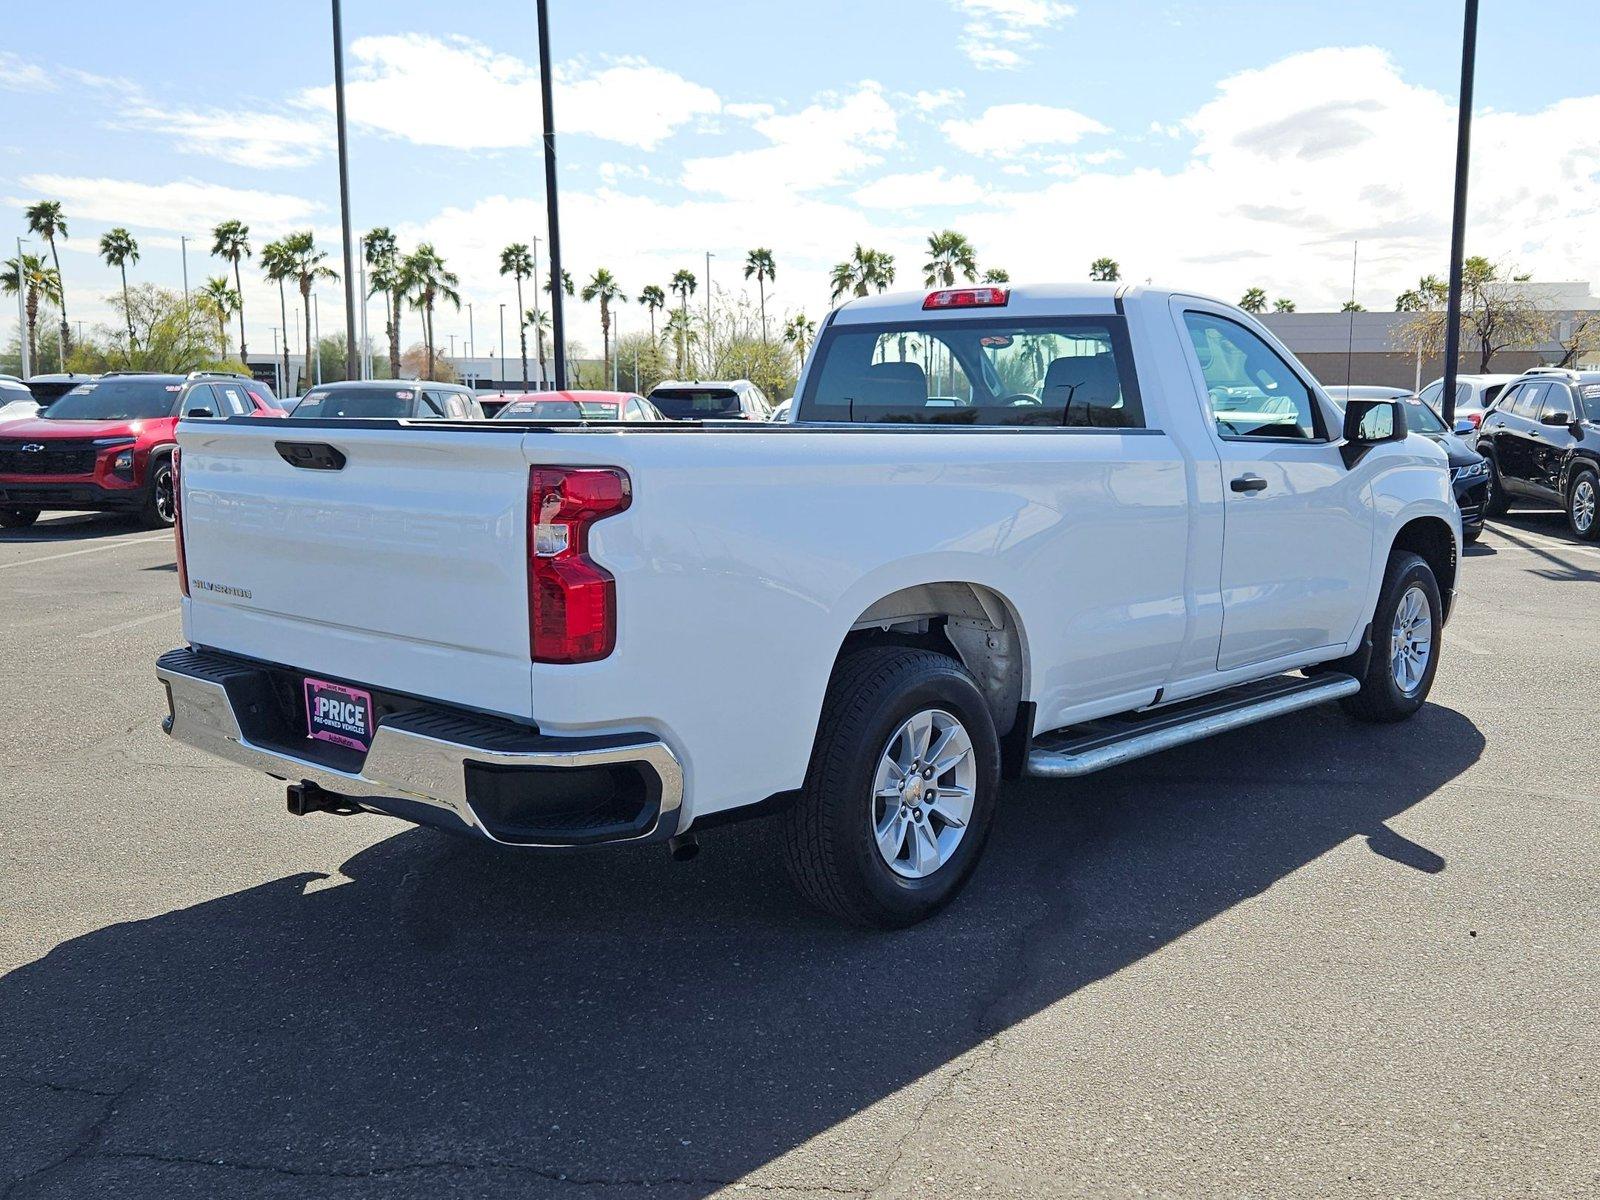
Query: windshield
[[358, 402], [559, 410], [696, 404], [1589, 397], [1422, 419], [974, 371], [116, 400]]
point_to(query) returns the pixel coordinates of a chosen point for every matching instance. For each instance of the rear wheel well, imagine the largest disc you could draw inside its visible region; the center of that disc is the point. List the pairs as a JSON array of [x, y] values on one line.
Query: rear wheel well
[[1430, 539], [964, 621]]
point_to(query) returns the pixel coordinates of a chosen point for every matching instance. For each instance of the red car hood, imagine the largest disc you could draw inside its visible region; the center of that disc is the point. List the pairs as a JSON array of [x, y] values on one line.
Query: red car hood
[[39, 430]]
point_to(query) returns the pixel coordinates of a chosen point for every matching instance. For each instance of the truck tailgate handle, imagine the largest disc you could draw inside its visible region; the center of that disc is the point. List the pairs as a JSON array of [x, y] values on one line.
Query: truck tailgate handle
[[311, 456], [1249, 483]]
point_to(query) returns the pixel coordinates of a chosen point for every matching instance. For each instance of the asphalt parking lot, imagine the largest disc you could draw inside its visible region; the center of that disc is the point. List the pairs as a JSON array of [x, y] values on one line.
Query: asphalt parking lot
[[1309, 958]]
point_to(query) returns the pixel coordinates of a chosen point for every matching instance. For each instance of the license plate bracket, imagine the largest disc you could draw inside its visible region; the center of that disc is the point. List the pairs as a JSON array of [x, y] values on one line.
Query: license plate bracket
[[338, 714]]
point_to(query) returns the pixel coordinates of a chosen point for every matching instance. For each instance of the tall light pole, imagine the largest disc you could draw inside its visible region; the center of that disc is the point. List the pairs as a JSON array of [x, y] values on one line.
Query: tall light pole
[[472, 338], [277, 372], [709, 257], [1458, 221], [538, 330], [502, 345], [366, 357], [344, 196], [22, 314], [557, 321], [315, 348], [183, 251]]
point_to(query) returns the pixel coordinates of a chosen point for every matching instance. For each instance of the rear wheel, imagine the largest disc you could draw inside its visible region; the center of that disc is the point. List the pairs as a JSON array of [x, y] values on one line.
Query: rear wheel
[[1583, 505], [1405, 643], [1495, 502], [157, 512], [900, 795], [17, 518]]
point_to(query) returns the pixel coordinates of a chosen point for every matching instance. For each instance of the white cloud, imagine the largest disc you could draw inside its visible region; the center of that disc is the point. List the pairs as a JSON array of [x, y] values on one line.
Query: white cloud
[[932, 101], [921, 189], [1009, 130], [182, 206], [19, 75], [820, 146], [459, 93], [998, 34], [246, 139]]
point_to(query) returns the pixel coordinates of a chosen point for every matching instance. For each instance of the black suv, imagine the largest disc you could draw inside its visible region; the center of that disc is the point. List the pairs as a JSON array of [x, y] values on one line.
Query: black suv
[[1542, 440]]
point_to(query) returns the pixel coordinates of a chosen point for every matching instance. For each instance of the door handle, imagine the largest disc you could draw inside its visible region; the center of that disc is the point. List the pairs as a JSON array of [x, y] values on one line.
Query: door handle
[[1249, 483]]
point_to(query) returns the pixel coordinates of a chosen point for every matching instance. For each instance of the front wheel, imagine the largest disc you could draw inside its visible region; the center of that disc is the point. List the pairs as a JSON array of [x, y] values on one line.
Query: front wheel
[[1495, 501], [1405, 643], [900, 794], [158, 509], [1583, 505], [17, 518]]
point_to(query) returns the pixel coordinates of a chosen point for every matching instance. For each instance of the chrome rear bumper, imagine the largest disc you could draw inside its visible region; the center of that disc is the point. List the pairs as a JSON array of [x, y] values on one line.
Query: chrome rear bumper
[[422, 764]]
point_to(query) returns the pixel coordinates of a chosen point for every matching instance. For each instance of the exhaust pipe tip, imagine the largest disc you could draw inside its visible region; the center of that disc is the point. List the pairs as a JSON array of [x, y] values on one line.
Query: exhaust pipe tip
[[683, 847]]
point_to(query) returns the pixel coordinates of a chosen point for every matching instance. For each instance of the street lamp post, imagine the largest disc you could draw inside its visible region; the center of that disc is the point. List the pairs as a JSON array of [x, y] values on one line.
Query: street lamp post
[[183, 251], [22, 315], [344, 195], [361, 265], [277, 372], [315, 348], [557, 320], [709, 257], [1458, 220], [472, 337], [502, 345]]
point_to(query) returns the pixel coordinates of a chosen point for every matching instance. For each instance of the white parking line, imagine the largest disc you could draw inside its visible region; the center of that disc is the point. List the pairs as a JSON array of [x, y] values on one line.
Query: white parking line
[[28, 562], [120, 626]]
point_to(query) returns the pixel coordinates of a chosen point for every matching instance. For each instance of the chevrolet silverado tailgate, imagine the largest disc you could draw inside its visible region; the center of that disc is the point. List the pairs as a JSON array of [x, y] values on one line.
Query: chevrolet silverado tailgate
[[393, 556]]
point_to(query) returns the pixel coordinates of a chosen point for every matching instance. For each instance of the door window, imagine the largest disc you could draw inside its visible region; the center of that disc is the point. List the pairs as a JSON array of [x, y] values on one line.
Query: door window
[[1557, 400], [1431, 393], [1528, 400], [430, 403], [1253, 393], [233, 397], [200, 398]]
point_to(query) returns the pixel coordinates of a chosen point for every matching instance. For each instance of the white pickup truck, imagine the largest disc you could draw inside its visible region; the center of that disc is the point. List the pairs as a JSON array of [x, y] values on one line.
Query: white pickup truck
[[1038, 530]]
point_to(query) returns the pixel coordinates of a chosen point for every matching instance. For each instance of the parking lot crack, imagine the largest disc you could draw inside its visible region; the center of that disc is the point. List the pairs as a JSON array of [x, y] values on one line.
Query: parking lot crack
[[91, 1136]]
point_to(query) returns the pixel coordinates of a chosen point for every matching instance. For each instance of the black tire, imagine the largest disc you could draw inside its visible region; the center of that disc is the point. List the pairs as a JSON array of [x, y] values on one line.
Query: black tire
[[1495, 501], [1468, 536], [18, 518], [1381, 697], [1584, 485], [157, 511], [828, 834]]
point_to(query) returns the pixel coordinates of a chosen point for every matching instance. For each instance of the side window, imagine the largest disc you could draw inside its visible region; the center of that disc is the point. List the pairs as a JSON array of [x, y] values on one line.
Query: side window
[[1557, 399], [1431, 393], [233, 398], [200, 398], [1507, 400], [1252, 391], [430, 403], [1528, 399], [455, 405]]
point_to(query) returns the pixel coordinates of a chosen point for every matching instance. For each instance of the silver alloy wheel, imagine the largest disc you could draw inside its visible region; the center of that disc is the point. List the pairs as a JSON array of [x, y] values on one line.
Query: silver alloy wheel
[[923, 792], [1411, 640], [1583, 505]]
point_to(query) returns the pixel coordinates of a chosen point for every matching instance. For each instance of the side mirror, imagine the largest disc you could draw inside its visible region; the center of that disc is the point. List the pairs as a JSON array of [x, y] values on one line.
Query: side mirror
[[1465, 427], [1369, 423], [1553, 419], [199, 412]]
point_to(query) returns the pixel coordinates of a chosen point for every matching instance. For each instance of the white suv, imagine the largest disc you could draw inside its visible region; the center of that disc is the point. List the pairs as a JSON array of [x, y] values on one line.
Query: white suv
[[711, 400]]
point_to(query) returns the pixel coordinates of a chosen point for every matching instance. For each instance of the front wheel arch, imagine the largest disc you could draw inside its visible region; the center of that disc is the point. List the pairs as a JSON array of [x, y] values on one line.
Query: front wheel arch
[[1431, 539]]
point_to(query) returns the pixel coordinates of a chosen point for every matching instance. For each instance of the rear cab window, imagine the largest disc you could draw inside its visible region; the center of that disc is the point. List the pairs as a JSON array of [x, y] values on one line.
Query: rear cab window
[[1066, 372]]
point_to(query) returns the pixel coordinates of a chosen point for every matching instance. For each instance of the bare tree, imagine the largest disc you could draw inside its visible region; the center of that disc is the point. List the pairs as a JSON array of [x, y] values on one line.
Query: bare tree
[[1579, 336]]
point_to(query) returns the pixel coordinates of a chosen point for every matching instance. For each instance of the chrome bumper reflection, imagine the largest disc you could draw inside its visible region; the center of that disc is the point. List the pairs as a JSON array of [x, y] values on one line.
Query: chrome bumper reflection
[[402, 763]]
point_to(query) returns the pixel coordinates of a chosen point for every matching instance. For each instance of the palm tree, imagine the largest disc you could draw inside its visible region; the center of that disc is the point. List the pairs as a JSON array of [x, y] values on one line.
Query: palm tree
[[759, 264], [28, 274], [223, 301], [603, 287], [118, 249], [949, 252], [539, 321], [653, 298], [798, 332], [1352, 306], [861, 272], [516, 261], [1283, 304], [428, 282], [383, 256], [1105, 270], [681, 330], [1254, 301], [996, 275], [566, 287], [307, 267], [683, 285], [1429, 293], [45, 220], [231, 241], [278, 264], [880, 272]]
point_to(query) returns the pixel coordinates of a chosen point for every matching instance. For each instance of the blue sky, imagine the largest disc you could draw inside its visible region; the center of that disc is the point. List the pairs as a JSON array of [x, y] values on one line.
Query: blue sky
[[1214, 145]]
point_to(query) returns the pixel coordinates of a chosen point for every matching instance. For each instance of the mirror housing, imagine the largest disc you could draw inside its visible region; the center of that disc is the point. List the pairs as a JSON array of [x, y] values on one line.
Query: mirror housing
[[1465, 427], [199, 412], [1555, 419], [1369, 423]]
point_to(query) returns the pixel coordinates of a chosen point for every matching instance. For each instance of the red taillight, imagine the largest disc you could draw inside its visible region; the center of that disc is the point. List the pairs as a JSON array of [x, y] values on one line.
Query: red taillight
[[984, 297], [572, 600], [1476, 418], [177, 521]]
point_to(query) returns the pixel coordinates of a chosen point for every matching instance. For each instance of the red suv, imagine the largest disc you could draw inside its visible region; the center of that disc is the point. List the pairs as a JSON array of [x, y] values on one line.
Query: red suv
[[106, 446]]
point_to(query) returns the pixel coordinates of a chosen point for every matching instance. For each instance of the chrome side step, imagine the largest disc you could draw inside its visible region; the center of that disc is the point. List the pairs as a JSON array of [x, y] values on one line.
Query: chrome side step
[[1082, 749]]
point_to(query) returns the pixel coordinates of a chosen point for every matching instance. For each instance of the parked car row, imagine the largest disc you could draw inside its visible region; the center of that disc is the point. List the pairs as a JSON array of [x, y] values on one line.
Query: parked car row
[[1542, 441]]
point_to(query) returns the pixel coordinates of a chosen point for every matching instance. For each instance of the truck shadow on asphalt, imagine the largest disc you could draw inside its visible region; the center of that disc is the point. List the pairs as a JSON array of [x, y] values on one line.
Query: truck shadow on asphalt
[[77, 527], [448, 1016]]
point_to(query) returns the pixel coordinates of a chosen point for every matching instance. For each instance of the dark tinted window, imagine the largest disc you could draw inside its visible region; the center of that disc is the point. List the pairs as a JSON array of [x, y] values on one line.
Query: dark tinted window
[[202, 400], [559, 410], [234, 398], [1528, 397], [358, 402], [1556, 400], [128, 399], [696, 404], [986, 370]]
